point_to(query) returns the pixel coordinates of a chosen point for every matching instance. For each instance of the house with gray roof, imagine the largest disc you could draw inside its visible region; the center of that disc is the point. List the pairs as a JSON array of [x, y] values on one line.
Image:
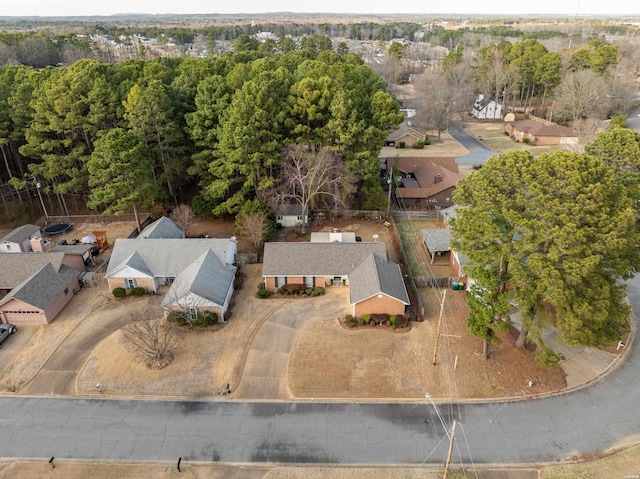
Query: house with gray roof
[[289, 215], [34, 287], [376, 285], [19, 240], [162, 228], [193, 274]]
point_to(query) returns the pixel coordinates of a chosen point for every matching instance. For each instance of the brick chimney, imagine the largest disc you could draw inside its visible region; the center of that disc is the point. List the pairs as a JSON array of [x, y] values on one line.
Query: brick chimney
[[438, 178]]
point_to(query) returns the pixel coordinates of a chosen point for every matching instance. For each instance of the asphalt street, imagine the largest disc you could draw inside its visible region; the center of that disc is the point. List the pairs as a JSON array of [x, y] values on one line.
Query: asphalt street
[[478, 152], [588, 421]]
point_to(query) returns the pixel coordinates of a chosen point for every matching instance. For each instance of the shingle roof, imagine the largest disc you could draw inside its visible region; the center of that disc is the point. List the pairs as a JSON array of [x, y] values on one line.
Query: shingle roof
[[76, 249], [16, 267], [162, 228], [426, 170], [21, 233], [289, 210], [309, 259], [164, 257], [206, 277], [376, 275], [437, 240], [43, 287], [539, 129]]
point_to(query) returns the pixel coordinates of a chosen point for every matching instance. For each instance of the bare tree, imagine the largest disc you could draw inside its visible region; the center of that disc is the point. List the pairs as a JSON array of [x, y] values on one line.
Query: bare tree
[[582, 94], [310, 176], [254, 226], [183, 215], [152, 339]]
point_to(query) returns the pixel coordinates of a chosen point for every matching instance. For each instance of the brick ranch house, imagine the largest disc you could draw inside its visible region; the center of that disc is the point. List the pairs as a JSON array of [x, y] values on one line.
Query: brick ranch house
[[539, 133], [376, 285], [198, 273], [424, 182]]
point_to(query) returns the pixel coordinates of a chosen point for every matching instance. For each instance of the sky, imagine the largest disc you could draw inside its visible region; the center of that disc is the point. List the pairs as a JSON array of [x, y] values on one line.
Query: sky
[[503, 7]]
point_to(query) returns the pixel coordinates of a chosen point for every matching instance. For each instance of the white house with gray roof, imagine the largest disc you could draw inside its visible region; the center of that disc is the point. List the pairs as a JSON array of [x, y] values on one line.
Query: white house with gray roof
[[198, 272], [19, 240], [376, 285]]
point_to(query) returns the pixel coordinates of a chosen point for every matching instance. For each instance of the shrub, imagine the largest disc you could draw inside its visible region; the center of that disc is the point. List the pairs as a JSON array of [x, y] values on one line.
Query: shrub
[[119, 292], [349, 321], [262, 286], [526, 140], [137, 292], [314, 293], [178, 317], [419, 145], [392, 320], [401, 321], [292, 288], [319, 290], [308, 291], [263, 293], [206, 318], [427, 141], [366, 318]]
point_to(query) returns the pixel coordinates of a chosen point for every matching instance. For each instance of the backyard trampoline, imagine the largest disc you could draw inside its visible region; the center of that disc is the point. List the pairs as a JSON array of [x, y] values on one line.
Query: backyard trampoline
[[56, 229]]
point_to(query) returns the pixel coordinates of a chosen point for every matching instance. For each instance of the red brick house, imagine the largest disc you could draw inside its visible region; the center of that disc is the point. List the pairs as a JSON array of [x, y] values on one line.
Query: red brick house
[[425, 182], [539, 133]]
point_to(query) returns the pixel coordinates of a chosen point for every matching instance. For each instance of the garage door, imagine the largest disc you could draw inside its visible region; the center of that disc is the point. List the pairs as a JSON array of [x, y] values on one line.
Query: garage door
[[24, 317]]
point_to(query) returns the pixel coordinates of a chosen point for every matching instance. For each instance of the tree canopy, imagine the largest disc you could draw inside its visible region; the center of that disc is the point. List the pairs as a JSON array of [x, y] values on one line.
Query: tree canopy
[[558, 233]]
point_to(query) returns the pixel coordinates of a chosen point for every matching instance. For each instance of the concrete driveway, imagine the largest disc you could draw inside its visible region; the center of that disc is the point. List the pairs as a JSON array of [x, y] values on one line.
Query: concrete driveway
[[15, 343], [58, 374], [265, 374]]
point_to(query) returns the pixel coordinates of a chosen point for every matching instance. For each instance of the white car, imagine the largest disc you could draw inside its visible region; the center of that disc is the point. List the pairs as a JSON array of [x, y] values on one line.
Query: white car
[[5, 331]]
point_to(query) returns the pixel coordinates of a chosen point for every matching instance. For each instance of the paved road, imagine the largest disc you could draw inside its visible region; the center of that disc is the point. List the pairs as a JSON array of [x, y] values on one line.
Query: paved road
[[588, 421], [478, 152]]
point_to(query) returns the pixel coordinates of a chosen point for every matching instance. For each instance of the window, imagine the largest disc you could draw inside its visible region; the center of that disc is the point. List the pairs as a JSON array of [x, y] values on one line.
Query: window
[[279, 218], [447, 200], [130, 283], [309, 281], [193, 313], [300, 218], [281, 281], [8, 247]]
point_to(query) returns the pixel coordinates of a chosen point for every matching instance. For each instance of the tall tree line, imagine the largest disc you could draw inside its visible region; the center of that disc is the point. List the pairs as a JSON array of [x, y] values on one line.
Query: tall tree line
[[219, 123]]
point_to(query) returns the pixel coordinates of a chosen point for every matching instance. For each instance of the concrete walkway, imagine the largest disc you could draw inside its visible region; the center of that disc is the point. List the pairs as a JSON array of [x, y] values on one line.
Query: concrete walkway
[[582, 364], [265, 374]]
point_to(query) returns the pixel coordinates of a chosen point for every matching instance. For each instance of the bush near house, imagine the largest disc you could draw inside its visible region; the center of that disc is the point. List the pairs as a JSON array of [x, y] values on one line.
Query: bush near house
[[137, 292], [206, 318], [119, 292], [263, 293], [349, 321]]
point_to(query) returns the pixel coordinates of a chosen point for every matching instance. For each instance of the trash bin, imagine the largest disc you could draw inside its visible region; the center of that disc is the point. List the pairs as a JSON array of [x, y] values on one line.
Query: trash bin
[[454, 285]]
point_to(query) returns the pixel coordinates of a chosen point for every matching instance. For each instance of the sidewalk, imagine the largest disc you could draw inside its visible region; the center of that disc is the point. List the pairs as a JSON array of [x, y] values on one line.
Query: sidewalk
[[582, 364]]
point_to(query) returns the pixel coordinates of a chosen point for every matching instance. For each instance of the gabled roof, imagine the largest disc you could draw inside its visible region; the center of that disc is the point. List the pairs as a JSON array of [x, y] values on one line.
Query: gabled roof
[[437, 240], [43, 287], [16, 267], [316, 259], [432, 175], [162, 228], [289, 209], [374, 276], [21, 233], [206, 277], [164, 257], [406, 129], [536, 128], [77, 249]]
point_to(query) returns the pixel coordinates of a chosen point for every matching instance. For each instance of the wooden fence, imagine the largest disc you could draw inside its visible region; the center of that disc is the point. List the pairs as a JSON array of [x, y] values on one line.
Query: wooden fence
[[427, 282], [416, 214]]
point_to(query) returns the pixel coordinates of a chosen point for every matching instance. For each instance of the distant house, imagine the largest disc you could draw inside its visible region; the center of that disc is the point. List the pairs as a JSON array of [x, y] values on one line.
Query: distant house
[[405, 136], [376, 285], [34, 288], [162, 228], [198, 272], [289, 215], [425, 182], [486, 109], [540, 133], [19, 240]]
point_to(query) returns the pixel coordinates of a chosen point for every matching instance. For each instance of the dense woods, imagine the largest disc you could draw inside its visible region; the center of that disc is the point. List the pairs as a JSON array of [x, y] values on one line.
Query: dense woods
[[160, 129]]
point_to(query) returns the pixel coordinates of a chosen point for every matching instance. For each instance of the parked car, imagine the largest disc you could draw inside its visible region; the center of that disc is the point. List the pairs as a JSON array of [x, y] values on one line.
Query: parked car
[[5, 331]]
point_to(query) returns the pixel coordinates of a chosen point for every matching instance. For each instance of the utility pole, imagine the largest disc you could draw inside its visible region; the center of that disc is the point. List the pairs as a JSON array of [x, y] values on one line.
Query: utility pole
[[453, 434], [435, 351], [46, 216], [390, 181]]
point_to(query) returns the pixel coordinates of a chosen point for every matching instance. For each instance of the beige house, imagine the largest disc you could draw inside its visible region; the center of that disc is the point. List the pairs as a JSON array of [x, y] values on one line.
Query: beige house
[[198, 273], [34, 287], [541, 133], [376, 285]]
